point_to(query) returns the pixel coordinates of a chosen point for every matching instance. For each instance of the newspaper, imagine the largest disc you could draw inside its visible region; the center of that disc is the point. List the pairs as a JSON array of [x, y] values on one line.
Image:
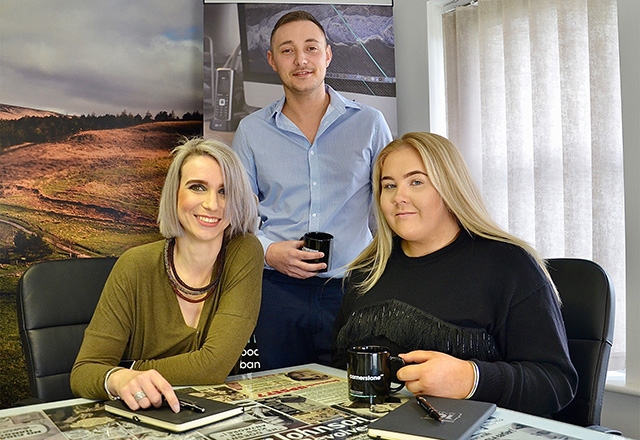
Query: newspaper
[[287, 406], [497, 428], [300, 404], [33, 425]]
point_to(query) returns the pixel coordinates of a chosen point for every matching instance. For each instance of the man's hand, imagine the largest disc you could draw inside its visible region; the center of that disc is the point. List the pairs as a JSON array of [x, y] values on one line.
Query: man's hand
[[288, 257]]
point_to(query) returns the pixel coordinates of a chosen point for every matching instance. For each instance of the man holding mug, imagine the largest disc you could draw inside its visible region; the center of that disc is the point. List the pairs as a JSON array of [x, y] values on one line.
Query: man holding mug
[[309, 157]]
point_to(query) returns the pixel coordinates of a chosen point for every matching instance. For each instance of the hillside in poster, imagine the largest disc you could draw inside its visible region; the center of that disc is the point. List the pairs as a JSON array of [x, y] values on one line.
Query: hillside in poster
[[94, 193]]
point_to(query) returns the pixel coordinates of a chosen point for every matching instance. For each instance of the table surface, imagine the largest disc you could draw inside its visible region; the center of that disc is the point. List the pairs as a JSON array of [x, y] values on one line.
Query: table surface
[[264, 387]]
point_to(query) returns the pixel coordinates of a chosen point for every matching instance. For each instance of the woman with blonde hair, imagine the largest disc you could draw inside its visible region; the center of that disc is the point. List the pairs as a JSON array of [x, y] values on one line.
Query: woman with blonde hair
[[470, 308], [180, 310]]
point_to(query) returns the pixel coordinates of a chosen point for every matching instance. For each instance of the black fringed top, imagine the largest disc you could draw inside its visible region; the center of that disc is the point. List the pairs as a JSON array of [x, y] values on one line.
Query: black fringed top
[[474, 299]]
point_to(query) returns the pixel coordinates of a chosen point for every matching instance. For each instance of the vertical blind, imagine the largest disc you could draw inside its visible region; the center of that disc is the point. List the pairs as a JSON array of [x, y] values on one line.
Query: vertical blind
[[533, 102]]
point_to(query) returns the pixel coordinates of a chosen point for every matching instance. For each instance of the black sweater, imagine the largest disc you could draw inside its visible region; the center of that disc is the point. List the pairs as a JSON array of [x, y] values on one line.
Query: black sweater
[[474, 299]]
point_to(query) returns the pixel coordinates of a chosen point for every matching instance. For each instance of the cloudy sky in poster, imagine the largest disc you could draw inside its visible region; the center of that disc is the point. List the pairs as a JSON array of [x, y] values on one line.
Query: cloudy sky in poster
[[101, 56]]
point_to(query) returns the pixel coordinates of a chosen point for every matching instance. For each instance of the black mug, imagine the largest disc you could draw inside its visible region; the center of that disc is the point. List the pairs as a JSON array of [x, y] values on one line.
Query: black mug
[[369, 373], [318, 242]]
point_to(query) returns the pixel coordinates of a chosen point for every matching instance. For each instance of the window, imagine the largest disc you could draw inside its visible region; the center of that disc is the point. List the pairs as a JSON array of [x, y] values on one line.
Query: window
[[591, 244]]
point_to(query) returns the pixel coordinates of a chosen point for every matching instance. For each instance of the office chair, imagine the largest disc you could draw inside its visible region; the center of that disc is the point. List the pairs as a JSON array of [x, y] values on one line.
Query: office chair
[[55, 302], [588, 304]]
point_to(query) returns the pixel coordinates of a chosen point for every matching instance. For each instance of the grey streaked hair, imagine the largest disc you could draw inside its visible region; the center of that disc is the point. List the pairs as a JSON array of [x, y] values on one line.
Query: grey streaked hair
[[241, 205]]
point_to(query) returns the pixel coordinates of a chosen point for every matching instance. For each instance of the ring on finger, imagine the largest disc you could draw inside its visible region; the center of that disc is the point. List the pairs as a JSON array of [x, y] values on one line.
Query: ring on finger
[[139, 395]]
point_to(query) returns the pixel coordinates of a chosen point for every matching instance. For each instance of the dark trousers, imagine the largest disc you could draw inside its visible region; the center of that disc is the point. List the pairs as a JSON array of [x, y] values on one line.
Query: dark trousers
[[296, 319]]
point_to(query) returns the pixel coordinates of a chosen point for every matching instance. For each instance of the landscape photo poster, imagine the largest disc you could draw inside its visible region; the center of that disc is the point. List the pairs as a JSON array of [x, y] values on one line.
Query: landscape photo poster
[[93, 97]]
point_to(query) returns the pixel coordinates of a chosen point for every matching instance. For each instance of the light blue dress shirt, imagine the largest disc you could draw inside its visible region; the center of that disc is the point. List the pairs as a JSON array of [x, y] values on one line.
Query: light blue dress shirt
[[324, 186]]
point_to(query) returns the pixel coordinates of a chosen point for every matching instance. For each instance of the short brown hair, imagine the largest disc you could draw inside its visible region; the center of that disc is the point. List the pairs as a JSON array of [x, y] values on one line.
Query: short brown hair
[[292, 16]]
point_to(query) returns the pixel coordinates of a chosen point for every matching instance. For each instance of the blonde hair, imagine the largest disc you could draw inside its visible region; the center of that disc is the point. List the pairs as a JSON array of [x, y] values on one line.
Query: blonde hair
[[450, 176], [241, 207]]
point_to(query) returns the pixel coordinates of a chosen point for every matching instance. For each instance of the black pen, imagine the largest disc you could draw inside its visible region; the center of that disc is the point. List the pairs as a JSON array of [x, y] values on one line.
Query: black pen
[[431, 411], [188, 404]]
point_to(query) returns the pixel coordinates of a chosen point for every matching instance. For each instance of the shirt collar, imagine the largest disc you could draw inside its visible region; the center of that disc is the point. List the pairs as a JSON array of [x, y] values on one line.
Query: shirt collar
[[337, 102]]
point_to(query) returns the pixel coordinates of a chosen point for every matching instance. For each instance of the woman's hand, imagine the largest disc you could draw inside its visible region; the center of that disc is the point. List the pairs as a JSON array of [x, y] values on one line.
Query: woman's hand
[[142, 389], [436, 374]]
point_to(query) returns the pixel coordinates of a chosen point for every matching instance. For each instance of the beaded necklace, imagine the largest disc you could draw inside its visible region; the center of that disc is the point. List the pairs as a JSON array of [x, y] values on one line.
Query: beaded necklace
[[180, 287]]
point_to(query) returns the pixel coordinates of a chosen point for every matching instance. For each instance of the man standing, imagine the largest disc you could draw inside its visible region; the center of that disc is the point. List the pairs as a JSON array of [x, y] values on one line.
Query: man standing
[[309, 157]]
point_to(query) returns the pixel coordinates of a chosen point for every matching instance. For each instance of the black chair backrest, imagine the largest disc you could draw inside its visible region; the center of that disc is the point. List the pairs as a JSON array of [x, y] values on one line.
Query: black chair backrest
[[55, 302], [588, 306]]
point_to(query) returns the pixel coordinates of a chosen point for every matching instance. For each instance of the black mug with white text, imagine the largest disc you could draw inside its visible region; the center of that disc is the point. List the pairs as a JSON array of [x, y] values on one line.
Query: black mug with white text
[[370, 373]]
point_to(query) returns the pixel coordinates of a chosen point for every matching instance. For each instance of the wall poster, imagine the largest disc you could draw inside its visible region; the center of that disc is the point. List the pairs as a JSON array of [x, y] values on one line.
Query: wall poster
[[93, 97]]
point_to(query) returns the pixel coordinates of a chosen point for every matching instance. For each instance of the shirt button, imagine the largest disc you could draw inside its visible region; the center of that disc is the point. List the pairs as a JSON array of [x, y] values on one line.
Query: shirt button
[[312, 152], [314, 215], [315, 183]]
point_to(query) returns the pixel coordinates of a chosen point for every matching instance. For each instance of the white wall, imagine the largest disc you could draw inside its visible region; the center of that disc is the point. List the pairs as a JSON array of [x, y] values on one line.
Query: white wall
[[418, 88], [621, 410]]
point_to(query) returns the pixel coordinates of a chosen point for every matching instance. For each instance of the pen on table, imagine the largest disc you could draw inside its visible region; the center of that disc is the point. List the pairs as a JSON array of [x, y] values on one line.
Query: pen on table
[[431, 411], [187, 404]]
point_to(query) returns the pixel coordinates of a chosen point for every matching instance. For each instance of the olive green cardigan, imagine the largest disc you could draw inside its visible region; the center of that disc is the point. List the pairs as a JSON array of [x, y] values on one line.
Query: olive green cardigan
[[138, 318]]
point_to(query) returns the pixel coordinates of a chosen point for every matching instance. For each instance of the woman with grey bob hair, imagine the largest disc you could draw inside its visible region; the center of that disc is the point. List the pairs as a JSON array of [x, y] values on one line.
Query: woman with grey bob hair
[[180, 310], [242, 210]]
